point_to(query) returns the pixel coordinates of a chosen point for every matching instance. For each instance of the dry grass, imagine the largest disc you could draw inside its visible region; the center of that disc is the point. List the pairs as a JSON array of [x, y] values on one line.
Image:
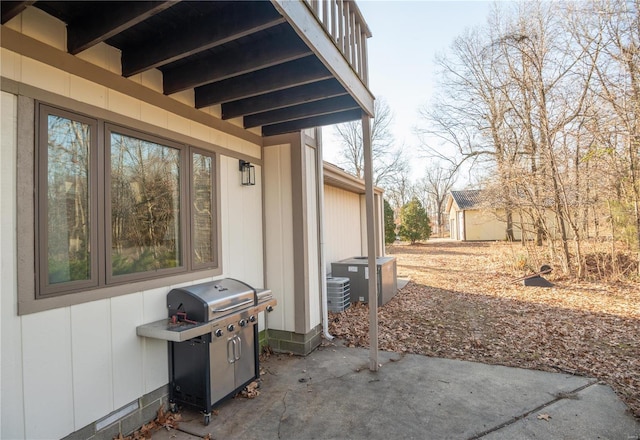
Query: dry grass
[[462, 303]]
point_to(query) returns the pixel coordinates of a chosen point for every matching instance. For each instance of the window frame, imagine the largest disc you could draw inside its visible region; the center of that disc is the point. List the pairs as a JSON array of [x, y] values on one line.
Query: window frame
[[103, 283], [214, 214], [41, 233]]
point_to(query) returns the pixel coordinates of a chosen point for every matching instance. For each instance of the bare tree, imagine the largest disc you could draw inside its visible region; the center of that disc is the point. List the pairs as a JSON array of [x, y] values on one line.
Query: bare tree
[[388, 161], [610, 31], [471, 115], [546, 98], [400, 190], [435, 185]]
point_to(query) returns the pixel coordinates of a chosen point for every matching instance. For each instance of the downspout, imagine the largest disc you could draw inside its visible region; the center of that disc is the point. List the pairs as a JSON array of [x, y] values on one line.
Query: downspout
[[323, 275]]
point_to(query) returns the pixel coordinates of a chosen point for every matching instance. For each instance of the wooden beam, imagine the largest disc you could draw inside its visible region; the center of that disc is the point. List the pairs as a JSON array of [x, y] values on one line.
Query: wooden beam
[[328, 88], [11, 9], [110, 21], [302, 111], [294, 73], [238, 20], [44, 53], [313, 33], [317, 121], [250, 57]]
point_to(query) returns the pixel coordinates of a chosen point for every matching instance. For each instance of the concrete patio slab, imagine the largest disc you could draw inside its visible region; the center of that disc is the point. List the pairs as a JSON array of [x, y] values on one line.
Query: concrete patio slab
[[331, 394]]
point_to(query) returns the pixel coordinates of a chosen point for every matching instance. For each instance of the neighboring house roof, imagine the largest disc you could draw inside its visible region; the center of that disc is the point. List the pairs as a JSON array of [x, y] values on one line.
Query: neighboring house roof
[[468, 199]]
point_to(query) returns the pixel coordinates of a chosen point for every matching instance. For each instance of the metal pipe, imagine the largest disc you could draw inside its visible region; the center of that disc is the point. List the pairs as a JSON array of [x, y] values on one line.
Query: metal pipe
[[371, 243]]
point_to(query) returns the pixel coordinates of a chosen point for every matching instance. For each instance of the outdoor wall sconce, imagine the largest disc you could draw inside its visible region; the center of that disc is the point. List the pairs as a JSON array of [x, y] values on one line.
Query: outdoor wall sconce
[[248, 173]]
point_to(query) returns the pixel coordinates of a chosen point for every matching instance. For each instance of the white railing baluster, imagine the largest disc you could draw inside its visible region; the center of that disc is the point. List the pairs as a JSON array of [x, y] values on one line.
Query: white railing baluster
[[352, 38], [347, 30], [334, 12], [344, 24]]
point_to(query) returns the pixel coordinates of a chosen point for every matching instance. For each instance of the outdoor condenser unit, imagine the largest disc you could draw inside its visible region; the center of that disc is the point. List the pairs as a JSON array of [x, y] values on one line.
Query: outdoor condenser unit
[[357, 270], [338, 294]]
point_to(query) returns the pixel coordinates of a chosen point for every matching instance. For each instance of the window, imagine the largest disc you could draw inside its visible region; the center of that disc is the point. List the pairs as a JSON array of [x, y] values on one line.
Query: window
[[67, 203], [203, 227], [144, 193], [113, 205]]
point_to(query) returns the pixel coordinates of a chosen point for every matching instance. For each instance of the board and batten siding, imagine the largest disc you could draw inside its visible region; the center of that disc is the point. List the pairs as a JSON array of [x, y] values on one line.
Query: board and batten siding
[[342, 224], [278, 222], [315, 314], [65, 368]]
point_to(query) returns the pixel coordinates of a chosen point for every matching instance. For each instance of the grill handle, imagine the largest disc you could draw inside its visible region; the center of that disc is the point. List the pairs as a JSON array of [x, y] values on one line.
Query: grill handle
[[226, 309], [231, 350], [234, 349], [238, 355]]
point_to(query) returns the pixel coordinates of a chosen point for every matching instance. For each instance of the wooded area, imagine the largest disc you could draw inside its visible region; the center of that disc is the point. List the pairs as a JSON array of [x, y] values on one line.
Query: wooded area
[[545, 99], [541, 104]]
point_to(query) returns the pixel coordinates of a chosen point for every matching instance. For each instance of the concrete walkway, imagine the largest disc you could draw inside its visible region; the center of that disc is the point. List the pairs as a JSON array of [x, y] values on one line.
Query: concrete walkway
[[331, 394]]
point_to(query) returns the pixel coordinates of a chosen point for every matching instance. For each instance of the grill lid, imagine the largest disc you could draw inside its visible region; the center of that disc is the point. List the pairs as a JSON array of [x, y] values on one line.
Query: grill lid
[[206, 301]]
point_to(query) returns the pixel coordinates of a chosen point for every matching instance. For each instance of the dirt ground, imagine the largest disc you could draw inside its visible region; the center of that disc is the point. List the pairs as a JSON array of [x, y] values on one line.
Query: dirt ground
[[462, 303]]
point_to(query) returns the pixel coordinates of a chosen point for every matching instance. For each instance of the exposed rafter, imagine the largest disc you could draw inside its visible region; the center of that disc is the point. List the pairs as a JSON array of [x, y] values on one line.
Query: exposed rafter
[[232, 23], [248, 57], [295, 73], [110, 21], [274, 63], [11, 9], [302, 111], [329, 88], [317, 121]]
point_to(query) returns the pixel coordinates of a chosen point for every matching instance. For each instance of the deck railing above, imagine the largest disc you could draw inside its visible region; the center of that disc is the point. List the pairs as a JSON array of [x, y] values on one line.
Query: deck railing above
[[344, 24]]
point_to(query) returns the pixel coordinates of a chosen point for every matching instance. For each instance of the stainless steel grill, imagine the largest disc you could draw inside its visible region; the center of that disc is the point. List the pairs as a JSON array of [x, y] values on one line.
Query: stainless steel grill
[[213, 340]]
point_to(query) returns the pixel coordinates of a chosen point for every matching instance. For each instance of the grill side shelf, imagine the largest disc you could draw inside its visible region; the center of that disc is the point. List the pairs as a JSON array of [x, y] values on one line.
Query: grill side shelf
[[179, 332]]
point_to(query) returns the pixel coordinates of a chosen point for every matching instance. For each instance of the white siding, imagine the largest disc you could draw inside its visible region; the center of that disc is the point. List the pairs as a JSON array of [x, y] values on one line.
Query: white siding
[[65, 368], [242, 225], [342, 224], [315, 316], [48, 376], [91, 352], [154, 361], [126, 349], [11, 399], [279, 235]]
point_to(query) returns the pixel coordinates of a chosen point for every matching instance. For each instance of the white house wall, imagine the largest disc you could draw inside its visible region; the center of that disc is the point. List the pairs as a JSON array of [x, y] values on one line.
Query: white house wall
[[241, 234], [65, 368], [279, 234], [11, 383], [315, 315], [343, 225]]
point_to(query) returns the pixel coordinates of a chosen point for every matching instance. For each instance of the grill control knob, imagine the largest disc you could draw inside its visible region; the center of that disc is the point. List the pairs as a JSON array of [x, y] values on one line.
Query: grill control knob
[[242, 323], [218, 332], [231, 327], [252, 318], [269, 308]]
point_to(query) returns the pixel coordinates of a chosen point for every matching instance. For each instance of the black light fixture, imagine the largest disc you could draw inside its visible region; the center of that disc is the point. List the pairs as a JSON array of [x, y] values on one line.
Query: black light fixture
[[248, 173]]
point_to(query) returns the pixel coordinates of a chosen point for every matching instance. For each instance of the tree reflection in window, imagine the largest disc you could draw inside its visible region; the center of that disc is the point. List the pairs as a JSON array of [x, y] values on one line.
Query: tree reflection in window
[[202, 209], [145, 205], [68, 228]]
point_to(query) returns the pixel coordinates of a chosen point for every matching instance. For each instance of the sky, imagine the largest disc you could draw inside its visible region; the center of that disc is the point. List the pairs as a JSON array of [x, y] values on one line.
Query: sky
[[407, 35]]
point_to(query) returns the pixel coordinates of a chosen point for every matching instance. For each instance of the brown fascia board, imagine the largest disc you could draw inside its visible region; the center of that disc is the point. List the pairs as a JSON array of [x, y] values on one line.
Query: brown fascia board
[[337, 177]]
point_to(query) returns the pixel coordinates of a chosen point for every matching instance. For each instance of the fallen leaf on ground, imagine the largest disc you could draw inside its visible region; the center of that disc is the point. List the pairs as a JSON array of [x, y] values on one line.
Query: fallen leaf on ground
[[461, 303], [250, 391]]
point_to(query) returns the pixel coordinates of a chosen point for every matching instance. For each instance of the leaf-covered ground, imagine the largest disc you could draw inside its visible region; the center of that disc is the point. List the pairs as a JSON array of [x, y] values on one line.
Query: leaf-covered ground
[[462, 303]]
